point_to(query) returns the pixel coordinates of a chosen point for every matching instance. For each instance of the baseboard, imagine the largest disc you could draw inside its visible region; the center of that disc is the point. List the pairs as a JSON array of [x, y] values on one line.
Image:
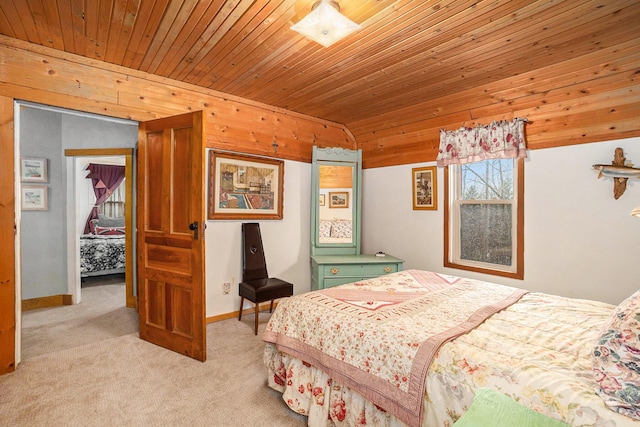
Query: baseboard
[[44, 302], [234, 314]]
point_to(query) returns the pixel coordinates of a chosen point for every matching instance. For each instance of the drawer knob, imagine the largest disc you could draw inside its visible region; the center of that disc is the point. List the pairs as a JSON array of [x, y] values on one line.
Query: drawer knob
[[335, 270], [387, 269]]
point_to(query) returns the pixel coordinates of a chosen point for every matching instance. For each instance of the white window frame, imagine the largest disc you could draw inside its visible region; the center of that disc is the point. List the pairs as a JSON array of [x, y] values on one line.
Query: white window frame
[[452, 230]]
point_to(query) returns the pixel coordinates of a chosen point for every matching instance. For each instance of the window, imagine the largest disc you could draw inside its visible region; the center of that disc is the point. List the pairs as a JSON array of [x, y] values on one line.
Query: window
[[484, 217], [114, 205]]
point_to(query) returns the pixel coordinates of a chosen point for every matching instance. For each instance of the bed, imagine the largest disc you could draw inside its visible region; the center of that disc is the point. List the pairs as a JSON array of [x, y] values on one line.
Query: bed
[[103, 251], [413, 347], [335, 231]]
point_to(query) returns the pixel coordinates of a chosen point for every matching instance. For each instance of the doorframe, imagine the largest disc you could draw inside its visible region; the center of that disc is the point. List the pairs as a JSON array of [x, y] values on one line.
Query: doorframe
[[74, 284]]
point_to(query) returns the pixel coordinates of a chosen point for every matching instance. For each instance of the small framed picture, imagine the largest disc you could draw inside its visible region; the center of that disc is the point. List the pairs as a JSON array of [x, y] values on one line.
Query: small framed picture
[[33, 169], [34, 198], [339, 199], [425, 188], [322, 200]]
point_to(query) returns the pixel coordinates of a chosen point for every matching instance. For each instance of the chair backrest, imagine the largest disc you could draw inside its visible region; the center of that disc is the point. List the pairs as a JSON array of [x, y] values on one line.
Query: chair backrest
[[254, 265]]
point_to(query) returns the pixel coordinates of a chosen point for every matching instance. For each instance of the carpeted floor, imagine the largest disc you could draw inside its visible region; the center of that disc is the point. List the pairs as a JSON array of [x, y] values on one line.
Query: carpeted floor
[[100, 315], [125, 381]]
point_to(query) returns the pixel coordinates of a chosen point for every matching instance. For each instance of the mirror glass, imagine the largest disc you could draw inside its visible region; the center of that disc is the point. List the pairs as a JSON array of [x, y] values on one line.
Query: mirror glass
[[335, 207]]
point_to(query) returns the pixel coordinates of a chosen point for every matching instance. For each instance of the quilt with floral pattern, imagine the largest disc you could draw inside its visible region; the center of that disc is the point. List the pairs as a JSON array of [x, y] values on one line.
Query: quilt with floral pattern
[[379, 336]]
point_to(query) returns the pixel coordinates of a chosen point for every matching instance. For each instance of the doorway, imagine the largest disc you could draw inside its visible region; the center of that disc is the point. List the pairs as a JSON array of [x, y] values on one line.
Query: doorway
[[57, 136]]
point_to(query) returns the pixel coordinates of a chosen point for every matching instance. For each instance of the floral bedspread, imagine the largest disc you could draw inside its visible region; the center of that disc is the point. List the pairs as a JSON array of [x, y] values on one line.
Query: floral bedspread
[[537, 351], [379, 336], [101, 253]]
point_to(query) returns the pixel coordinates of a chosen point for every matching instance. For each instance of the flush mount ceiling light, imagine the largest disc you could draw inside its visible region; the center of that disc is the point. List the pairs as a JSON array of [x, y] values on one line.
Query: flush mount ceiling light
[[636, 212], [325, 24]]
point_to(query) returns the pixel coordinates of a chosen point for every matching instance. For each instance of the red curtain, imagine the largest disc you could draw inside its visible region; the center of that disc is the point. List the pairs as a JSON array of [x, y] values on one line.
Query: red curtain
[[105, 179]]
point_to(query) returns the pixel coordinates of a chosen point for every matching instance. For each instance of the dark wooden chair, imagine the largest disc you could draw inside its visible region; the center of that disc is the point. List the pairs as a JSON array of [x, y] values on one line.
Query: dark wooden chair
[[256, 285]]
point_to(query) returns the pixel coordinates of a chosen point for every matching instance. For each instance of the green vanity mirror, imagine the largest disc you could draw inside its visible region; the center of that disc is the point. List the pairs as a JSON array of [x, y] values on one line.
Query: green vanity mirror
[[336, 212], [336, 201]]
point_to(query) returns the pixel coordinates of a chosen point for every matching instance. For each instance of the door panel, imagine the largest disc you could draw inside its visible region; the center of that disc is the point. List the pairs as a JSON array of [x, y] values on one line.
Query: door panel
[[170, 254]]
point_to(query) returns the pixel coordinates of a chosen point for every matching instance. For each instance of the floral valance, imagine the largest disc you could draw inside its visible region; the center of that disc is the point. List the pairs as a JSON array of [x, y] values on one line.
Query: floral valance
[[499, 140]]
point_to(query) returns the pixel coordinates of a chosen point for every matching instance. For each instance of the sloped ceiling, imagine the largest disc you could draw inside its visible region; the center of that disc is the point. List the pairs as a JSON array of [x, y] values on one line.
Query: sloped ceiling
[[414, 67]]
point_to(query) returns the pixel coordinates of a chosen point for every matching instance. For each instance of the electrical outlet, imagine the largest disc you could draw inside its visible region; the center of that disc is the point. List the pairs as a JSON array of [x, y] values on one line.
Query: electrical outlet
[[226, 288]]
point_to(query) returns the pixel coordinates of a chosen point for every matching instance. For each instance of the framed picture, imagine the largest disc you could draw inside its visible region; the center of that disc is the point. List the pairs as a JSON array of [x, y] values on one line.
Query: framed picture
[[34, 198], [33, 169], [425, 188], [244, 187], [339, 199], [322, 200]]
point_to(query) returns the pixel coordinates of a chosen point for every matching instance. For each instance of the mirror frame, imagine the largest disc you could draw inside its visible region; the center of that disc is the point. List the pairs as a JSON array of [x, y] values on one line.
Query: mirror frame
[[336, 156]]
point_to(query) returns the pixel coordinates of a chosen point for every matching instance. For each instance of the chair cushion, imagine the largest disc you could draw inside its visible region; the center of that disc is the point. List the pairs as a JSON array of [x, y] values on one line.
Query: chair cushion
[[261, 290]]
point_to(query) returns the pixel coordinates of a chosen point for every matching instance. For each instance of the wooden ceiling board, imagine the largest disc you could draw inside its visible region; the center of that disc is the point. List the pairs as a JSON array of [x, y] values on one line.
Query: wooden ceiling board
[[415, 65], [209, 40], [150, 13], [406, 87]]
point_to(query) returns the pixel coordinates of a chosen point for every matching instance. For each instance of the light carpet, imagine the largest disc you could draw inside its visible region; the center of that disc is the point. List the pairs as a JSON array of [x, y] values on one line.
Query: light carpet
[[100, 315], [126, 381]]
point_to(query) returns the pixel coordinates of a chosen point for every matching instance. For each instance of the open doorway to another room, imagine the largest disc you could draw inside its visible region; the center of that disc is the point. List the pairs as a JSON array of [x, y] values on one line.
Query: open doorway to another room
[[98, 304]]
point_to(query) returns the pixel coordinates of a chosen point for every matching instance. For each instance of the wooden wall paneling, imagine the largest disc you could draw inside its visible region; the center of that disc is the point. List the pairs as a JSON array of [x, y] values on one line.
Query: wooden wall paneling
[[594, 125], [74, 103], [64, 80], [49, 74], [7, 237]]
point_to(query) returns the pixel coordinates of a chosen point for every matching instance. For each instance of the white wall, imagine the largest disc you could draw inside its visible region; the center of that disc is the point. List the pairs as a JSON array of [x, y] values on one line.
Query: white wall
[[579, 241], [286, 245]]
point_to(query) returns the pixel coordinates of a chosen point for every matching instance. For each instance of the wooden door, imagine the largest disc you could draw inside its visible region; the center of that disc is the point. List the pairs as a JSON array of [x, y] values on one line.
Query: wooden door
[[170, 233]]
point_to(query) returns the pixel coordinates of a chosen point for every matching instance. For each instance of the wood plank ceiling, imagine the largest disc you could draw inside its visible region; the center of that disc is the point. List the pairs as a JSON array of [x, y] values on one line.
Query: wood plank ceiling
[[416, 66]]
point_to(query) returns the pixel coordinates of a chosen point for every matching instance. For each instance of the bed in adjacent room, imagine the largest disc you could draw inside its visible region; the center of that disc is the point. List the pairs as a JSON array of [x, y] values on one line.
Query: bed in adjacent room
[[103, 251], [413, 348]]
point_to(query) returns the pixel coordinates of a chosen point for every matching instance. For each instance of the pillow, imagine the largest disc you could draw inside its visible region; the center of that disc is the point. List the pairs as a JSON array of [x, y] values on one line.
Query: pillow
[[616, 359], [341, 228], [105, 221], [109, 231], [493, 409], [325, 228]]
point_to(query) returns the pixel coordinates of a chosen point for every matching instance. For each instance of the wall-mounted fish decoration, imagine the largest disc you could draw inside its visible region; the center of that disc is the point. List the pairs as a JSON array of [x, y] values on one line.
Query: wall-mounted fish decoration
[[617, 171]]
